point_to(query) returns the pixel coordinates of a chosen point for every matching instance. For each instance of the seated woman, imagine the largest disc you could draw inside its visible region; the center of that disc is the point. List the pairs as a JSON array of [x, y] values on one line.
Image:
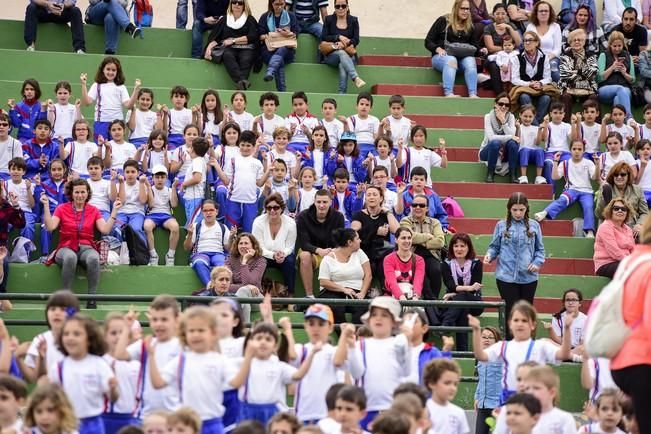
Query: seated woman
[[404, 271], [462, 276], [276, 233], [543, 23], [494, 34], [457, 30], [77, 221], [375, 225], [620, 183], [644, 63], [500, 134], [341, 32], [428, 240], [583, 19], [616, 73], [578, 73], [570, 8], [248, 266], [345, 273], [614, 240], [277, 19], [235, 43], [519, 13], [113, 15]]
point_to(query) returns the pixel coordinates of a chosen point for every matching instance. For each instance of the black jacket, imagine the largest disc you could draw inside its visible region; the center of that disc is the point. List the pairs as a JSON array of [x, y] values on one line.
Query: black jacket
[[313, 234]]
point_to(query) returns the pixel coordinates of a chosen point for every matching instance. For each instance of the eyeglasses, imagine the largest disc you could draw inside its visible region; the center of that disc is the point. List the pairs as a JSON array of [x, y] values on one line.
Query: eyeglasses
[[504, 104], [340, 6], [237, 3], [543, 11], [572, 300], [273, 208], [621, 175], [4, 124], [419, 205], [529, 41], [464, 9], [619, 209]]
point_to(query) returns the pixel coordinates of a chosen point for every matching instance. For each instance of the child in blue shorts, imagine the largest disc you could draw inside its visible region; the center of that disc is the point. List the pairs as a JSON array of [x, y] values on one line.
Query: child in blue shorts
[[161, 200]]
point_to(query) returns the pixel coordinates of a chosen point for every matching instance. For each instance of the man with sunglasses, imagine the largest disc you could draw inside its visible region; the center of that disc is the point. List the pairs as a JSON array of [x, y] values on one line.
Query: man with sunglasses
[[9, 147], [309, 14], [208, 13]]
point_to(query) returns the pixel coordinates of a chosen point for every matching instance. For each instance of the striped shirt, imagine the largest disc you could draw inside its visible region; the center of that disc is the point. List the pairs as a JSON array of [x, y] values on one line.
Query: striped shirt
[[307, 9]]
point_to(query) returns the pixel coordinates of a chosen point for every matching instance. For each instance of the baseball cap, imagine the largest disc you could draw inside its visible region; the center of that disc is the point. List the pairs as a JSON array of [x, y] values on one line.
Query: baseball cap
[[387, 303], [320, 311], [159, 168], [348, 135]]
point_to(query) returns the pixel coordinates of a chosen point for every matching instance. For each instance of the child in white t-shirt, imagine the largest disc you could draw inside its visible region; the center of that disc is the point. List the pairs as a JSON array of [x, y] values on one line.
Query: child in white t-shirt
[[396, 125], [161, 200], [133, 195], [300, 122], [210, 116], [117, 151], [586, 128], [608, 409], [629, 131], [643, 179], [615, 154], [530, 152], [178, 117], [23, 190], [79, 150], [544, 384], [238, 113], [194, 179], [418, 156], [305, 195], [364, 125], [504, 60], [154, 153], [62, 115], [279, 152], [142, 120], [266, 123], [556, 135], [441, 376], [333, 124], [572, 299]]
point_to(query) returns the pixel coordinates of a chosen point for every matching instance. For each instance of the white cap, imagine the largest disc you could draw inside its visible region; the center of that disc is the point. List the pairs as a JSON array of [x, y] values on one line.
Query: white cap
[[159, 168], [388, 303]]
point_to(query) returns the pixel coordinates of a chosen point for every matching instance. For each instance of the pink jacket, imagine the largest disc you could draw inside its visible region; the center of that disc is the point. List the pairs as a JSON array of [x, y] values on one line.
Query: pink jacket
[[612, 244], [397, 271], [637, 314]]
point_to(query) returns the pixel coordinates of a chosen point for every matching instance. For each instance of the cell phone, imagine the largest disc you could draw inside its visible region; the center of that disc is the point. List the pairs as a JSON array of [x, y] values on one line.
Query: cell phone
[[57, 5], [621, 59]]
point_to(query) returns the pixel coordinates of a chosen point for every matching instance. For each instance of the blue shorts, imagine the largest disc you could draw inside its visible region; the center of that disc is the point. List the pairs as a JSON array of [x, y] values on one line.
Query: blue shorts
[[91, 425], [233, 406], [260, 412], [159, 218], [212, 426], [174, 141], [506, 394], [137, 141], [101, 129], [370, 415], [114, 422]]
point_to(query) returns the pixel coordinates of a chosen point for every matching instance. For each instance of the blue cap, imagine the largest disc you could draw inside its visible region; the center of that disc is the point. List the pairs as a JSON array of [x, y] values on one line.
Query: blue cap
[[347, 135]]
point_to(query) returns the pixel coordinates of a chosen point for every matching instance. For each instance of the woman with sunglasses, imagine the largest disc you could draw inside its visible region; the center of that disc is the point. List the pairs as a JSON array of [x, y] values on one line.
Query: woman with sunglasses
[[234, 41], [276, 233], [341, 32], [458, 29], [620, 183], [500, 133], [281, 21], [614, 240]]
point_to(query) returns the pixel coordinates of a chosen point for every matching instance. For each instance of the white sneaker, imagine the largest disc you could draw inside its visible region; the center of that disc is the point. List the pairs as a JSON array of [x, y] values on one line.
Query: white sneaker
[[589, 234], [169, 260], [451, 95], [540, 180], [31, 48], [481, 77], [540, 216], [80, 51], [153, 260], [473, 95], [523, 180], [359, 82]]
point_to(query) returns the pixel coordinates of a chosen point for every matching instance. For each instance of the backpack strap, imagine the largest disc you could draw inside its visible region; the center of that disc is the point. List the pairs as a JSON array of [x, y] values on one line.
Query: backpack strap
[[140, 384], [222, 227], [298, 386], [195, 245], [179, 374], [529, 350], [60, 371], [505, 343]]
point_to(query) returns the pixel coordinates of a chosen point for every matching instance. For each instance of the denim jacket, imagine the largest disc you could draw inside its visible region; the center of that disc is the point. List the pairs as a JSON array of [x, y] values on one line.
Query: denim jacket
[[489, 386], [516, 251]]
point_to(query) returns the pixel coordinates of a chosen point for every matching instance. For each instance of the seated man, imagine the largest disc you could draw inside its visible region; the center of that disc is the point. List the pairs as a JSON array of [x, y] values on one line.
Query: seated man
[[634, 33], [314, 227], [54, 11], [307, 13], [208, 13]]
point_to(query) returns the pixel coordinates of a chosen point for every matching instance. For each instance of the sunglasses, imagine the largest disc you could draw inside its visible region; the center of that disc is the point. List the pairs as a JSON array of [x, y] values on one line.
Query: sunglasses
[[572, 300], [419, 205], [341, 6], [504, 104], [621, 175], [237, 3], [464, 9], [620, 208], [527, 41], [4, 124], [273, 208]]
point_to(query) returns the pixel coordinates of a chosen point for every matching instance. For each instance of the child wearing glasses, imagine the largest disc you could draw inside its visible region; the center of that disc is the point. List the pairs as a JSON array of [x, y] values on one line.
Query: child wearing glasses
[[9, 147], [615, 154], [578, 173], [572, 299]]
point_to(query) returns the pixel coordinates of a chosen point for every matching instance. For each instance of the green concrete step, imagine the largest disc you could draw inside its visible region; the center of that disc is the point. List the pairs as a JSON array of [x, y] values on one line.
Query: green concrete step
[[177, 43], [558, 247], [496, 208]]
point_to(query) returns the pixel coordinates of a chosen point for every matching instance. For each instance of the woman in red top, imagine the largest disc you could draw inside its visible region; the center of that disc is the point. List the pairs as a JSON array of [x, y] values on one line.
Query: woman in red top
[[631, 367], [77, 221], [404, 271]]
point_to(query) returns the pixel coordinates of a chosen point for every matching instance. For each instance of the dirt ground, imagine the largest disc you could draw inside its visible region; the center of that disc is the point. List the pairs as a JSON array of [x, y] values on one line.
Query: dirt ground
[[401, 18]]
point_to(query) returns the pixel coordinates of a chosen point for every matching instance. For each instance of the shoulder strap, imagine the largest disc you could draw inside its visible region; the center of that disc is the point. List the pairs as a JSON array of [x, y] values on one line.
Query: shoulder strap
[[223, 229], [179, 374], [196, 239], [413, 267], [60, 369], [529, 350]]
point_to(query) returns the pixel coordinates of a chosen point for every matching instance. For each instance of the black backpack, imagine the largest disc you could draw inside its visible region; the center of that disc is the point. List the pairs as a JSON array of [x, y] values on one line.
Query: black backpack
[[138, 250]]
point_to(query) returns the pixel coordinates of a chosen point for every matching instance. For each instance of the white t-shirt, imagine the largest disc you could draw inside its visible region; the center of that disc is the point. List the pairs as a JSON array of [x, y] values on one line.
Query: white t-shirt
[[390, 199], [156, 158], [85, 381], [9, 149], [267, 381], [244, 120], [211, 238], [599, 370], [306, 199], [447, 419], [200, 379], [554, 421], [288, 157], [528, 137], [579, 174], [179, 119], [559, 137], [645, 182], [608, 161], [244, 173], [132, 204], [156, 399], [196, 191], [63, 120], [349, 274], [52, 353], [299, 136], [121, 152], [161, 201], [335, 129], [542, 351], [645, 132], [145, 122], [595, 428], [232, 347], [625, 130], [414, 355], [268, 126], [317, 158], [425, 158], [380, 379], [209, 125], [110, 99], [577, 329], [181, 154], [126, 373], [100, 197], [591, 137], [21, 191], [308, 402], [400, 129], [364, 129], [550, 42], [79, 154], [329, 426]]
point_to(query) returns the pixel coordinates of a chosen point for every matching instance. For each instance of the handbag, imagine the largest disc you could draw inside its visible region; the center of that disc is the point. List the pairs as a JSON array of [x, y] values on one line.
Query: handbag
[[277, 40], [459, 50], [217, 54], [326, 48]]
